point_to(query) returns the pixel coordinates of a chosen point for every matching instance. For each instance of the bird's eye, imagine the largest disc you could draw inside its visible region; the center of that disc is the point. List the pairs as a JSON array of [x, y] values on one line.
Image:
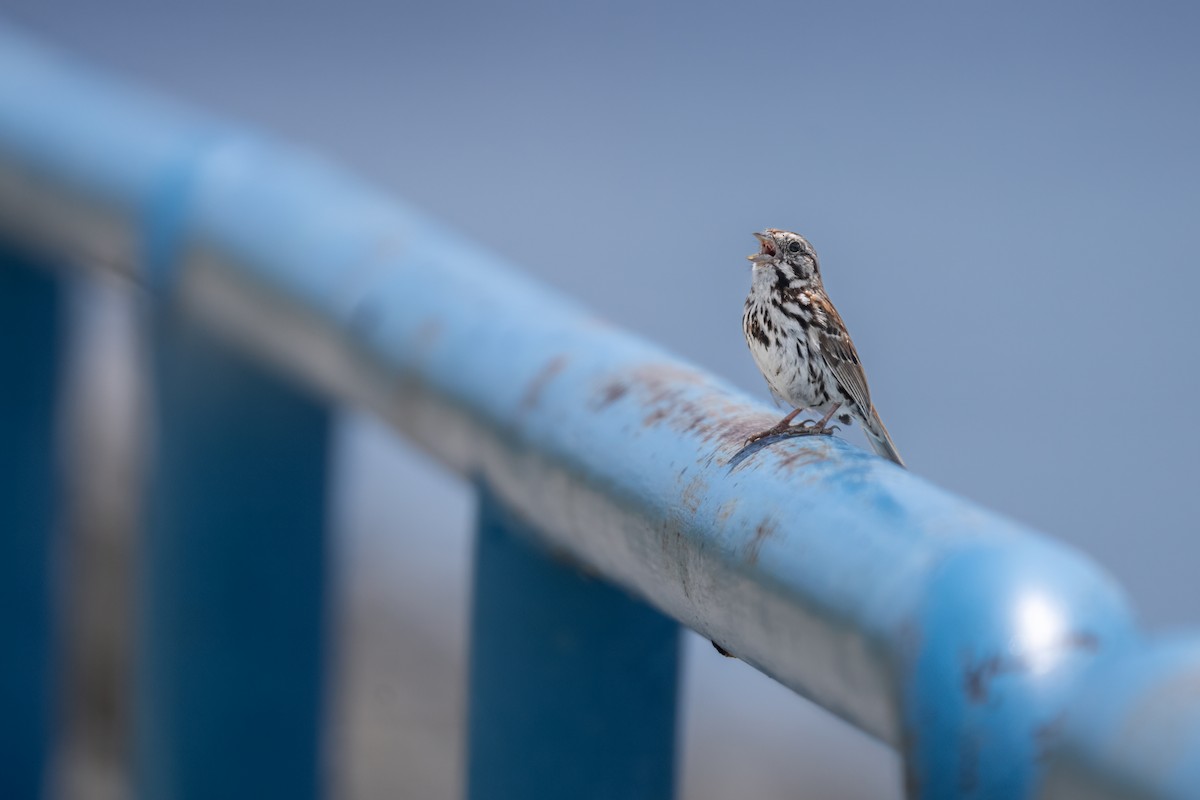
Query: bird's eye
[[794, 247]]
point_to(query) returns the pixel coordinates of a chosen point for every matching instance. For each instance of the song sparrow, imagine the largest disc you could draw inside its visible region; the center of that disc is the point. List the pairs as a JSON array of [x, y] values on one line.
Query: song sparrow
[[801, 345]]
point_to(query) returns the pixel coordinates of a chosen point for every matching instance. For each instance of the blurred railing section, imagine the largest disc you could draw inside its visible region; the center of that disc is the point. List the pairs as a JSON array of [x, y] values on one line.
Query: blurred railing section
[[617, 499]]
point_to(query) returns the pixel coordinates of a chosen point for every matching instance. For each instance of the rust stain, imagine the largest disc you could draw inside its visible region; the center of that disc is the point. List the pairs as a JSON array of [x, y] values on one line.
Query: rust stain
[[612, 393], [765, 530], [787, 459], [667, 392], [654, 417], [533, 394], [978, 675], [800, 458], [690, 404], [726, 510], [694, 494]]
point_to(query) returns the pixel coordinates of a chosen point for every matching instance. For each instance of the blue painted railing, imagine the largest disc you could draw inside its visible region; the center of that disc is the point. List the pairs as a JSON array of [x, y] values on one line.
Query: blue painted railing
[[617, 501]]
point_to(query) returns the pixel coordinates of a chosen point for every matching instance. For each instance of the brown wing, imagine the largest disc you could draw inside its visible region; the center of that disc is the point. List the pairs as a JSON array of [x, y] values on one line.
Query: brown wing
[[842, 357]]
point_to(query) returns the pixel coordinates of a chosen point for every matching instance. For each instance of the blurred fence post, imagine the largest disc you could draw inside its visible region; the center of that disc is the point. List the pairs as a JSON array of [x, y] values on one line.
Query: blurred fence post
[[31, 343], [572, 681], [233, 599]]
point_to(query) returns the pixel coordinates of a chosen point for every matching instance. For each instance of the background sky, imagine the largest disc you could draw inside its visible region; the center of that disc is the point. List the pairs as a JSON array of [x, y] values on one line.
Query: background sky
[[1004, 199]]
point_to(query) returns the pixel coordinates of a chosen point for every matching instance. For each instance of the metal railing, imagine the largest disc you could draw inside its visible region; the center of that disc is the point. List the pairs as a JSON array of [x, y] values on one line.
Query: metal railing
[[999, 663]]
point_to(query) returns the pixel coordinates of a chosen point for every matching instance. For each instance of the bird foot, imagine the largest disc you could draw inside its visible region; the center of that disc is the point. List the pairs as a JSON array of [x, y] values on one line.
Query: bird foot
[[802, 428], [809, 428]]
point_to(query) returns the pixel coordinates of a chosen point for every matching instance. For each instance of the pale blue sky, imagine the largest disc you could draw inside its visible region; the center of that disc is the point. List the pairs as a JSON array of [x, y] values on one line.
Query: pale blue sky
[[1003, 198]]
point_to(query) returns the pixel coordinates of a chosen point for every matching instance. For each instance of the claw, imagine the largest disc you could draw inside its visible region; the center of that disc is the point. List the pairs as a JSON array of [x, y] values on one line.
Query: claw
[[763, 435], [810, 429]]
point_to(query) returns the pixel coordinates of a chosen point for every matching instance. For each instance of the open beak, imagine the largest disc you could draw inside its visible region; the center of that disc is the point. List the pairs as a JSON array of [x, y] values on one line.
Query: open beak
[[767, 251]]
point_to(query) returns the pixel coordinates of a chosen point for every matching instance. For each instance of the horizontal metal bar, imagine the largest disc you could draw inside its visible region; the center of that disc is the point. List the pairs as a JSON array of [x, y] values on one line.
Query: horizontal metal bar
[[944, 629]]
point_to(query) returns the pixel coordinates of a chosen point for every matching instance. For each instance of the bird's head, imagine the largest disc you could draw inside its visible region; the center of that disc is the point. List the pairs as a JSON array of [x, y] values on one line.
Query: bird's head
[[786, 251]]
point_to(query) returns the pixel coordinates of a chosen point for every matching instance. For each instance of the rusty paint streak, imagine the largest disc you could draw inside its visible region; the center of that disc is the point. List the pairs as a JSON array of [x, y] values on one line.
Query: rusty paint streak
[[690, 404], [790, 459], [796, 459], [694, 494], [765, 530], [533, 394], [667, 392], [611, 394], [654, 417], [726, 510]]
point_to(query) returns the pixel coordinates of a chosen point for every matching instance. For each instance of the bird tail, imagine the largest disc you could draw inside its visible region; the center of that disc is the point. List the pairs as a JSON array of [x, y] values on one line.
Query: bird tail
[[878, 436]]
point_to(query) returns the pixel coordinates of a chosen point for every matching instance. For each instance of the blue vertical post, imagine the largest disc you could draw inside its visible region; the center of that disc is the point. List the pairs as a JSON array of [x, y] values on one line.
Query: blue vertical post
[[31, 341], [232, 654], [573, 683]]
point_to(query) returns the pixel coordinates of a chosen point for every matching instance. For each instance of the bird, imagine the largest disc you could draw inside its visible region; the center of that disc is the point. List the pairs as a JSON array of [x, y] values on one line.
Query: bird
[[801, 345]]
